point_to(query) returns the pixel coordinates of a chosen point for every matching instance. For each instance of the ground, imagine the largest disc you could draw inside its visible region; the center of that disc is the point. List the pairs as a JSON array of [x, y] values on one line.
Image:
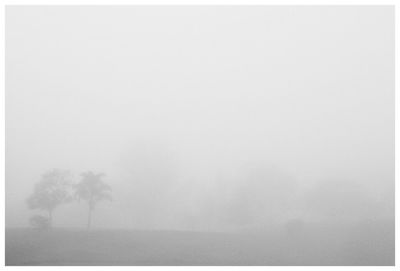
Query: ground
[[369, 245]]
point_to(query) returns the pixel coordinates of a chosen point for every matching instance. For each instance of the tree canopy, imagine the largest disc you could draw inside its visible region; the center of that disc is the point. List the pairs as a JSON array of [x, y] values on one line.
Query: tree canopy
[[52, 190]]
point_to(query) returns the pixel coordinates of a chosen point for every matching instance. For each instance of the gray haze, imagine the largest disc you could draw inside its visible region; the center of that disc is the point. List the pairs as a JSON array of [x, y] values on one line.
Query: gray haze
[[204, 118]]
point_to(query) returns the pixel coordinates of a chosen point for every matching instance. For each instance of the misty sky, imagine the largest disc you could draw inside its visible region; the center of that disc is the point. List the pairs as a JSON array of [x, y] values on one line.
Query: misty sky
[[186, 109]]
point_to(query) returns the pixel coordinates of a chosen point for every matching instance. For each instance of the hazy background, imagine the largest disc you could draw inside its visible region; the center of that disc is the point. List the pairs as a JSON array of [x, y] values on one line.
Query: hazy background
[[204, 118]]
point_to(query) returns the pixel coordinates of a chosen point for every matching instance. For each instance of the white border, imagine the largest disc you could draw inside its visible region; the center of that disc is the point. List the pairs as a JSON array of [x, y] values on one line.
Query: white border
[[195, 2], [199, 2]]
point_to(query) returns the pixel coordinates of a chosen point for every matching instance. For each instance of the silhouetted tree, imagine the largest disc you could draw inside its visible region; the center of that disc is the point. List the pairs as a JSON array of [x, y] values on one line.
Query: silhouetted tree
[[53, 190], [92, 189]]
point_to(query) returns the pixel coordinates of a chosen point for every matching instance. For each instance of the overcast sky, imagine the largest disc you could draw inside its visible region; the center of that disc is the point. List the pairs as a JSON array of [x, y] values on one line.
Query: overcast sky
[[178, 105]]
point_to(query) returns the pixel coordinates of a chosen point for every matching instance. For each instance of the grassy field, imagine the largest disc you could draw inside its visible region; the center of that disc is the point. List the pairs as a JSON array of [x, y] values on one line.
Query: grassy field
[[373, 245]]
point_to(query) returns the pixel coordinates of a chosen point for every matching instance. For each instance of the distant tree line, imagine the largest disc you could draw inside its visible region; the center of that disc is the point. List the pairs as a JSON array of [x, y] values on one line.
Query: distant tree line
[[56, 188]]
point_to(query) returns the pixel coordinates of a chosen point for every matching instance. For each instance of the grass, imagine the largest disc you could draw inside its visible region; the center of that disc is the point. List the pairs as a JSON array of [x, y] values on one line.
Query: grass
[[316, 245]]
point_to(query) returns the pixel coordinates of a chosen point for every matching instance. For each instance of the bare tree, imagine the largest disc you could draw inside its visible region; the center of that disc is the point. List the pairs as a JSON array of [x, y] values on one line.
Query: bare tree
[[53, 189], [92, 189]]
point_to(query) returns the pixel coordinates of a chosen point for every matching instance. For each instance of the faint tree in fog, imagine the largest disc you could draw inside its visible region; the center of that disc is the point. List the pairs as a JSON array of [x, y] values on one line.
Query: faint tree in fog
[[52, 190], [39, 222], [92, 189], [264, 193], [356, 202]]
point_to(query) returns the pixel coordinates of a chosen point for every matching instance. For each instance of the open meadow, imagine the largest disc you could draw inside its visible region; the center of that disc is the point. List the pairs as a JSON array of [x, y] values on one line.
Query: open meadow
[[316, 245]]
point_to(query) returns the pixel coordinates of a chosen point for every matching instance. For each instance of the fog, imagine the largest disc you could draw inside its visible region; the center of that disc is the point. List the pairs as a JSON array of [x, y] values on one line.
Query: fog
[[204, 118]]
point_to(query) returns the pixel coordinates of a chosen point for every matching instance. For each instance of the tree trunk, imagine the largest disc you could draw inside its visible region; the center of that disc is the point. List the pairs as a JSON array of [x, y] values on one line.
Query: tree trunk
[[89, 221]]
